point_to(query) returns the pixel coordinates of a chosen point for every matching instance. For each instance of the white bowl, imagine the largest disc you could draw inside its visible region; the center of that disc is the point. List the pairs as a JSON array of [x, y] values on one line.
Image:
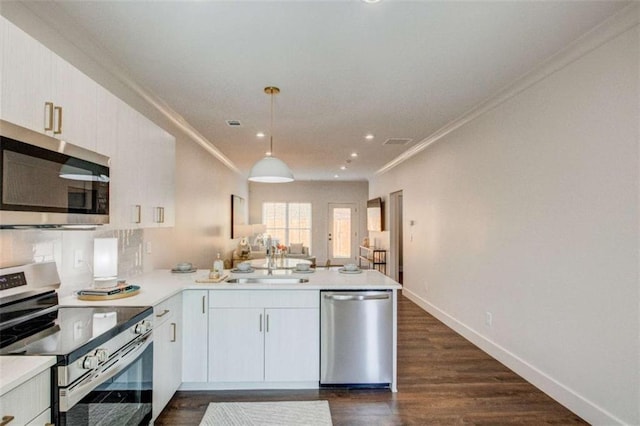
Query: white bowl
[[302, 266], [244, 266], [350, 267], [184, 266]]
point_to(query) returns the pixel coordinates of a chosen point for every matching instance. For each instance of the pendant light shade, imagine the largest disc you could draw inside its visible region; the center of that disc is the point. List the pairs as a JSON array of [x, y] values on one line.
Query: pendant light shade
[[271, 169]]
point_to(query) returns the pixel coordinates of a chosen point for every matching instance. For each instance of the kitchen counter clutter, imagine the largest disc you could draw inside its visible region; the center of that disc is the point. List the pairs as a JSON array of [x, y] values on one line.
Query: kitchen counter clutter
[[161, 284]]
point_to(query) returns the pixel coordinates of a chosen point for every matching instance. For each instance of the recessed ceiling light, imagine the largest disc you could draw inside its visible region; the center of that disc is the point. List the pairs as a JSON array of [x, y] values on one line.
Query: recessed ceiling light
[[268, 153], [369, 137], [371, 1], [336, 176], [354, 154], [343, 167], [260, 134]]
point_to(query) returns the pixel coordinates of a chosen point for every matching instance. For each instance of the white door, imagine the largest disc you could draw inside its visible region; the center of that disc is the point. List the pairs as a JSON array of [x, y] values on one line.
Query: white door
[[343, 233]]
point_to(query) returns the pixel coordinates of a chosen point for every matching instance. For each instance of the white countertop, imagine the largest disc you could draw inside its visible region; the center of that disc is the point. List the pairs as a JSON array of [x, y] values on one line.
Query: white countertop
[[15, 370], [161, 284]]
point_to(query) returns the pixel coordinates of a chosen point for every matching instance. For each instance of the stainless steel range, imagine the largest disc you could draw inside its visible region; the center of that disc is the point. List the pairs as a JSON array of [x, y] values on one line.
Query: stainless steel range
[[104, 369]]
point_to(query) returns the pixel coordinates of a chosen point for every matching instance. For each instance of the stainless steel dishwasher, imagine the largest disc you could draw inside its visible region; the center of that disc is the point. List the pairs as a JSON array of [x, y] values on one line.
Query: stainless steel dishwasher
[[356, 340]]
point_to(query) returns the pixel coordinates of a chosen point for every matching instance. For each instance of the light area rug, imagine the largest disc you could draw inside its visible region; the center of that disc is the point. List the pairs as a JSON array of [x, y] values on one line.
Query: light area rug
[[280, 413]]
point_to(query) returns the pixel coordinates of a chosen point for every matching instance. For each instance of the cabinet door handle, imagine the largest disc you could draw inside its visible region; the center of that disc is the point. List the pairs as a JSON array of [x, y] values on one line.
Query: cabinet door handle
[[48, 111], [138, 208], [203, 300], [173, 328], [165, 312], [6, 420], [58, 130], [159, 214], [267, 323], [260, 325]]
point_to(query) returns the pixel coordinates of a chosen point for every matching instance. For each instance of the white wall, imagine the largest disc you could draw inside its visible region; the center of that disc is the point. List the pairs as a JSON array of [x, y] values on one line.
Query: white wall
[[530, 212], [320, 194]]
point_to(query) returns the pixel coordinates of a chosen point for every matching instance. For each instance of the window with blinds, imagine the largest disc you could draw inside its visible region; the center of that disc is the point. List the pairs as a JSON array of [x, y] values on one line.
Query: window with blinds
[[288, 222]]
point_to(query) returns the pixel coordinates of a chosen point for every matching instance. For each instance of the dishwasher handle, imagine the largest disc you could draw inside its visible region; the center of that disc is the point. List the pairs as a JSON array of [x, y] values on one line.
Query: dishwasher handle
[[358, 297]]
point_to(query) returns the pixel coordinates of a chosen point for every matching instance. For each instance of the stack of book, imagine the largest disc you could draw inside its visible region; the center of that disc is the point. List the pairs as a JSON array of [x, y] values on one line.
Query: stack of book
[[107, 291]]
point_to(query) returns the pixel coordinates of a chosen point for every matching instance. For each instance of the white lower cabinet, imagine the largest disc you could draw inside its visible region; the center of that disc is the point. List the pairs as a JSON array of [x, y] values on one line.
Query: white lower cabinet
[[29, 402], [263, 336], [195, 330], [167, 351], [292, 345], [236, 345]]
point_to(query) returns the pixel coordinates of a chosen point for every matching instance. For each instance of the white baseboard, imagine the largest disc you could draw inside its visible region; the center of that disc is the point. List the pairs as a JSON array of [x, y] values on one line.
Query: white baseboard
[[556, 390], [189, 386]]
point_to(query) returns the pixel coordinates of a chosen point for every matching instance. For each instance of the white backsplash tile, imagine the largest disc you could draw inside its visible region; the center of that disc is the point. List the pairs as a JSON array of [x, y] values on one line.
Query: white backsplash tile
[[19, 247]]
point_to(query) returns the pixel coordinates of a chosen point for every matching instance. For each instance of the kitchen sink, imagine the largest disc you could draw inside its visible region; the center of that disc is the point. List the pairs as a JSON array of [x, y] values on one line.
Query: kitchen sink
[[274, 280]]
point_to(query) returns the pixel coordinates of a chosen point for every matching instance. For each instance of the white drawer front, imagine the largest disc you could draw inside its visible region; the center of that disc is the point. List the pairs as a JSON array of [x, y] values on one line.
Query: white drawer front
[[165, 310], [26, 402], [264, 299], [43, 419]]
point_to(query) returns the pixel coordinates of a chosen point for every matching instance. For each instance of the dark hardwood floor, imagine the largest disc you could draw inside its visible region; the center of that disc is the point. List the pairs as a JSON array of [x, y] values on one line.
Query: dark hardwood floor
[[442, 379]]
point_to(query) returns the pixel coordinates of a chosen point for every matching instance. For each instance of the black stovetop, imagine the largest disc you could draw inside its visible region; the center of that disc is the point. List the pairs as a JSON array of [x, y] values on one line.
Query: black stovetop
[[74, 331]]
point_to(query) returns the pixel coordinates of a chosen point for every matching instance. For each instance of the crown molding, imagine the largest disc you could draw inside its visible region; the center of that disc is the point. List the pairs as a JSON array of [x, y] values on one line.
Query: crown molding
[[626, 19], [51, 26]]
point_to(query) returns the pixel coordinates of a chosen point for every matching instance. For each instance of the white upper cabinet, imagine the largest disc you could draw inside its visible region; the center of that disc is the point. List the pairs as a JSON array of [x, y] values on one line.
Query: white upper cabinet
[[75, 104], [27, 80], [157, 166], [43, 92]]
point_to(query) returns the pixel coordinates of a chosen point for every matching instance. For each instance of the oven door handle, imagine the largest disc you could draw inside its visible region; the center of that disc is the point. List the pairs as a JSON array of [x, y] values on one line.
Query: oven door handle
[[73, 394]]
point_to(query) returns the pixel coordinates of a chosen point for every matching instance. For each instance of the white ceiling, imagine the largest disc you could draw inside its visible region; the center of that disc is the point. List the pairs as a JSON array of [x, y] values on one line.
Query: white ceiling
[[395, 69]]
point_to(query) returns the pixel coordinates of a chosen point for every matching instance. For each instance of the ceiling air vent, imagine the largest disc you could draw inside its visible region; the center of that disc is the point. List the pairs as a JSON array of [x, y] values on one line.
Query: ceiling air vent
[[233, 123], [397, 141]]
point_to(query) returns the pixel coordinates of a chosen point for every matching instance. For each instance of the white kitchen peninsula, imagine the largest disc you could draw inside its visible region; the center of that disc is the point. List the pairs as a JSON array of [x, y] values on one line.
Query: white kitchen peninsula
[[224, 325]]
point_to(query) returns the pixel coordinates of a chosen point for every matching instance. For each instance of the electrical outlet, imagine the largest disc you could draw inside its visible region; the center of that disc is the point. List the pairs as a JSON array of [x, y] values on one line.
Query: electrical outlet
[[488, 319], [78, 258]]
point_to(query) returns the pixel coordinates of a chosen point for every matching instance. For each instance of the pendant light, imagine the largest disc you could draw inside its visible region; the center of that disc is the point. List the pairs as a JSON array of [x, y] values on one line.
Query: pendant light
[[270, 169]]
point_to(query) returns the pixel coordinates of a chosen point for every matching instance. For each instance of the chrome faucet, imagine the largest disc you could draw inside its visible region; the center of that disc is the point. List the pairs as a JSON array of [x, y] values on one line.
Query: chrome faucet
[[270, 264]]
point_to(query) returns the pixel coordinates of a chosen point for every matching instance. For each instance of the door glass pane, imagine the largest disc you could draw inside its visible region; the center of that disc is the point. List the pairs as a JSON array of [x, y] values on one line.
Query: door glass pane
[[341, 238]]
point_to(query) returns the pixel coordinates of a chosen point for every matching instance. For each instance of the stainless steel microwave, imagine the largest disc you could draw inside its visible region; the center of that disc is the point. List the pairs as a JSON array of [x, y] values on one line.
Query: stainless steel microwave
[[47, 182]]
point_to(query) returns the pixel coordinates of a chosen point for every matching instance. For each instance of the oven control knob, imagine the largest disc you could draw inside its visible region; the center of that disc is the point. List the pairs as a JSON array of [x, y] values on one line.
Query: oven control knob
[[90, 362], [142, 327], [102, 355]]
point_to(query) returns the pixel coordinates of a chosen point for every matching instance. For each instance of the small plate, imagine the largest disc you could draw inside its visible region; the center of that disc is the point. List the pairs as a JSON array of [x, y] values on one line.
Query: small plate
[[298, 271], [238, 271], [344, 271], [181, 271]]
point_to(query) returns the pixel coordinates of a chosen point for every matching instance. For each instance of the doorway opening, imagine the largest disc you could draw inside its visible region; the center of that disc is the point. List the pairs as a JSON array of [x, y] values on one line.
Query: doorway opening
[[395, 236]]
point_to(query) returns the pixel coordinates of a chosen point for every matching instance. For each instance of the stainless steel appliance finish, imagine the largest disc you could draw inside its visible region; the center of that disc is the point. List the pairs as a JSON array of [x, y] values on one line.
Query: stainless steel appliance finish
[[104, 370], [47, 182], [356, 338]]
